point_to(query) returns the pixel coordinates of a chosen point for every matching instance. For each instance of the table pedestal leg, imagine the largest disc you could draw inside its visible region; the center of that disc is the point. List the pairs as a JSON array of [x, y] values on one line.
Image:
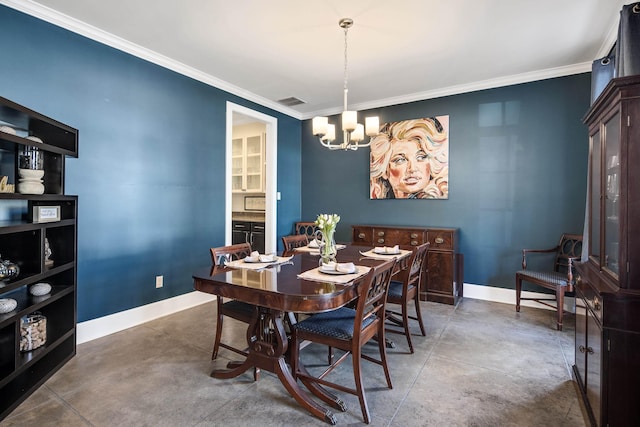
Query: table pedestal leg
[[267, 346]]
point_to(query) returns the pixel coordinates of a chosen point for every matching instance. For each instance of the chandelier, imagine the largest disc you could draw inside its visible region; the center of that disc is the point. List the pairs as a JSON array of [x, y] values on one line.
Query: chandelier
[[353, 132]]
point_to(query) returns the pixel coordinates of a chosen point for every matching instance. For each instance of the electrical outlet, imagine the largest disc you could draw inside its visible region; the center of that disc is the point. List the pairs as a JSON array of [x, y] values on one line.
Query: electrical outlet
[[159, 281]]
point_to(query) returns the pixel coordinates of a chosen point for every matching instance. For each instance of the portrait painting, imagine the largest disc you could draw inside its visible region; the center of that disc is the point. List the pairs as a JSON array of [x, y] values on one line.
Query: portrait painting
[[410, 160]]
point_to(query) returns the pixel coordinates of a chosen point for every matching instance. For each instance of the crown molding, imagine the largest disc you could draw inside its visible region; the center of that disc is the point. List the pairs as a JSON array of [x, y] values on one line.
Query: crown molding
[[464, 88], [61, 20], [64, 21]]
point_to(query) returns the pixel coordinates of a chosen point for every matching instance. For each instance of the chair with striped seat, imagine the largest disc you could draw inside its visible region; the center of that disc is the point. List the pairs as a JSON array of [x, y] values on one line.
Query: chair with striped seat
[[559, 278]]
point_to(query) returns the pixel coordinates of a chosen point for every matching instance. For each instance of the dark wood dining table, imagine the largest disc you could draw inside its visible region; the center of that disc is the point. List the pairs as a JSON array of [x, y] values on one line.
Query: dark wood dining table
[[277, 292]]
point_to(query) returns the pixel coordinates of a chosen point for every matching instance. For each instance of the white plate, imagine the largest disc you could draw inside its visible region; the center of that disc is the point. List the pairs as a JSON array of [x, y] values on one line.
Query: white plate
[[336, 272], [386, 253]]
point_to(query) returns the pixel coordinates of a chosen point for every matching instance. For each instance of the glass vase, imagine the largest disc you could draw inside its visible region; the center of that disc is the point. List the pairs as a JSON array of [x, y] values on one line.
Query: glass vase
[[326, 246]]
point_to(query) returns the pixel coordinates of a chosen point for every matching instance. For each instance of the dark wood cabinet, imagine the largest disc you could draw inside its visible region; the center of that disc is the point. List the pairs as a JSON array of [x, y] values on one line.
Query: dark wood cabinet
[[443, 275], [607, 368], [249, 232], [25, 240]]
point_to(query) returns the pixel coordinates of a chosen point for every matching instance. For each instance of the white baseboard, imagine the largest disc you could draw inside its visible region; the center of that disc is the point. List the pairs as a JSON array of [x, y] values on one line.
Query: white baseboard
[[508, 296], [103, 326]]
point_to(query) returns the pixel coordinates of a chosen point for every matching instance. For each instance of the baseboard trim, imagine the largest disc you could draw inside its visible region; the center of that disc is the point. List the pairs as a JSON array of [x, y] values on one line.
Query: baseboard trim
[[107, 325], [508, 296]]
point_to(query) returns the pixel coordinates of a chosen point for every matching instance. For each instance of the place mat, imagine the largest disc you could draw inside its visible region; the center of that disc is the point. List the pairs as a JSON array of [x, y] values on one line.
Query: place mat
[[239, 263], [371, 254], [315, 251], [317, 276]]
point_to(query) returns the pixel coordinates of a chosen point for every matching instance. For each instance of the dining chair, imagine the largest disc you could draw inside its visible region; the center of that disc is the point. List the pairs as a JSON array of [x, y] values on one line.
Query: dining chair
[[294, 241], [306, 227], [406, 290], [557, 277], [237, 310], [348, 329]]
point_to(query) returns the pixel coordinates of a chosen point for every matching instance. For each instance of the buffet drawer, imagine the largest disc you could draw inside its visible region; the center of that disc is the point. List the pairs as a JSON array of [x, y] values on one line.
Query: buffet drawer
[[440, 239]]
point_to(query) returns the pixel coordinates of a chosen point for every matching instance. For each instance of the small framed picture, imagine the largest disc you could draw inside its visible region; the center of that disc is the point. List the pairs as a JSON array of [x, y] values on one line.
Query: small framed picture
[[46, 214], [254, 203]]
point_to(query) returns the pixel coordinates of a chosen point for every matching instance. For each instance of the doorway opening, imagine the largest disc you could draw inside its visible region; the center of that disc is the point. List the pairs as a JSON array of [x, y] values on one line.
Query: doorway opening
[[242, 196]]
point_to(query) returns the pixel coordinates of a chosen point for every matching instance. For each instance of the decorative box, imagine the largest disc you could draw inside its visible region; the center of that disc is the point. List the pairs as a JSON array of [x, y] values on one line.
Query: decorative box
[[33, 331]]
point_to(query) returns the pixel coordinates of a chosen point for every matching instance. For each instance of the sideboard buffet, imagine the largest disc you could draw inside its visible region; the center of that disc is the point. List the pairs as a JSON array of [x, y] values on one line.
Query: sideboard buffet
[[38, 252], [607, 362], [443, 274]]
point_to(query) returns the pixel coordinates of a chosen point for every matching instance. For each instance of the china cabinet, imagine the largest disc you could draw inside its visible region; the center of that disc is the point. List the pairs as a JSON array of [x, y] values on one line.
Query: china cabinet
[[38, 234], [607, 342], [247, 170], [443, 274]]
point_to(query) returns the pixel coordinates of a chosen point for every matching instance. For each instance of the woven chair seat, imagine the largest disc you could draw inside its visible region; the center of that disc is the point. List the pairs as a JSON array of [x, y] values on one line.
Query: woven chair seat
[[335, 324], [545, 276]]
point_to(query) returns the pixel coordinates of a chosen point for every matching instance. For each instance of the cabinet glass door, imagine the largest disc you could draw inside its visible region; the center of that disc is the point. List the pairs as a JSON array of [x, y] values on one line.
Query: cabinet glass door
[[594, 233], [612, 194]]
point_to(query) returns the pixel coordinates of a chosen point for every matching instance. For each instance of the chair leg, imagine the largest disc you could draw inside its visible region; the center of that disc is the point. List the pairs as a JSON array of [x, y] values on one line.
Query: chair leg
[[518, 291], [416, 298], [382, 347], [357, 375], [560, 305], [405, 321], [216, 342]]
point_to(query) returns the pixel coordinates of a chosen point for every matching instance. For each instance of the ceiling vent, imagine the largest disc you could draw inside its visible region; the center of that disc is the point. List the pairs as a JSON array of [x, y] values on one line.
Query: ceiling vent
[[291, 101]]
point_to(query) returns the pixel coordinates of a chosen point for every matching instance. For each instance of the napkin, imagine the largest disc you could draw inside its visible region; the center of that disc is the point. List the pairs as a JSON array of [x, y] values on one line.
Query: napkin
[[255, 256], [313, 243], [387, 250], [341, 267]]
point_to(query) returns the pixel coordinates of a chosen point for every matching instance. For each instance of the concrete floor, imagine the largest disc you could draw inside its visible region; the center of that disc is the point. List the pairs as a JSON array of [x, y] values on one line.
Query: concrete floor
[[481, 364]]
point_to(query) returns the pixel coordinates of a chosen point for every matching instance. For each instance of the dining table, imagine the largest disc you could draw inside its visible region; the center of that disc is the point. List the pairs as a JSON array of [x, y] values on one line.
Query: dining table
[[291, 284]]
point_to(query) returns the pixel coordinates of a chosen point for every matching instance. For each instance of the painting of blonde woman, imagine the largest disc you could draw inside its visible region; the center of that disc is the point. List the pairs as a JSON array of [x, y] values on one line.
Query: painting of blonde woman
[[410, 160]]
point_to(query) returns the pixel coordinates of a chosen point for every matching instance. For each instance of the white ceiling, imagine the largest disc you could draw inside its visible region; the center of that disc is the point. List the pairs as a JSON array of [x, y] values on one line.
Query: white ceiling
[[399, 51]]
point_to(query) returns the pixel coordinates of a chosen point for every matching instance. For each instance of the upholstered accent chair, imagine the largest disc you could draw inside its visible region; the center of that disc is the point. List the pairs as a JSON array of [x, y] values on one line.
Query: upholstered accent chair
[[558, 277]]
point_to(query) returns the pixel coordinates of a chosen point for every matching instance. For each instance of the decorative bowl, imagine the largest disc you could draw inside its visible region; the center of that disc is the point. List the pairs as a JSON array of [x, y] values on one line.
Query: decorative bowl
[[40, 289], [8, 129], [31, 173], [7, 305], [34, 139], [30, 187]]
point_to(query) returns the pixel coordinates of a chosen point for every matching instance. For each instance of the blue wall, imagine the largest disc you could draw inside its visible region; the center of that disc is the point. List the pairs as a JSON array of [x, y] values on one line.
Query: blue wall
[[150, 171], [151, 166], [517, 178]]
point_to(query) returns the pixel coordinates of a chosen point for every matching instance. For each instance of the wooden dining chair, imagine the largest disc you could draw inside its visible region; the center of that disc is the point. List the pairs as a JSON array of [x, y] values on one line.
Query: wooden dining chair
[[306, 227], [238, 310], [294, 241], [558, 277], [349, 329], [405, 291]]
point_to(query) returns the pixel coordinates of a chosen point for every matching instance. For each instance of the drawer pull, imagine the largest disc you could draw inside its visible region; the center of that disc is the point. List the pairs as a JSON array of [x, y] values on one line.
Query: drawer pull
[[414, 243], [596, 304], [361, 236], [589, 350], [380, 233], [414, 235], [582, 349], [439, 240], [380, 240]]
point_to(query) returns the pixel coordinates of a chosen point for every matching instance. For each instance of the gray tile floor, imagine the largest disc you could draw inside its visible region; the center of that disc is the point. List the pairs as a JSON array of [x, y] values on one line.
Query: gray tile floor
[[481, 364]]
